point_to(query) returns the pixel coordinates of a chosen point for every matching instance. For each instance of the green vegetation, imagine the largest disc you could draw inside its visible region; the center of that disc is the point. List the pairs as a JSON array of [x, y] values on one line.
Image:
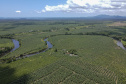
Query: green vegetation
[[124, 43], [5, 46], [83, 52], [6, 43], [29, 44]]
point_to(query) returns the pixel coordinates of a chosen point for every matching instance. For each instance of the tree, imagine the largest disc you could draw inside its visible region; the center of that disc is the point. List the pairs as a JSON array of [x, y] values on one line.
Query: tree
[[72, 51], [55, 50]]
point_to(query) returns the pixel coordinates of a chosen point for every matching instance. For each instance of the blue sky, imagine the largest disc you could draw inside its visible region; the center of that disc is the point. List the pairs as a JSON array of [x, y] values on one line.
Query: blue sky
[[61, 8]]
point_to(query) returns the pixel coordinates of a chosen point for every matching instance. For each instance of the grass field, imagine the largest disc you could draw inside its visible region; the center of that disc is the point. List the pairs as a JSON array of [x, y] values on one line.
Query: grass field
[[6, 43], [118, 24], [124, 42], [5, 46]]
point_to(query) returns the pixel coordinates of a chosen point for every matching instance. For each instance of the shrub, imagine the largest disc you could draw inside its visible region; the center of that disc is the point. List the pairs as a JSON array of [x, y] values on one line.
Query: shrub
[[72, 51]]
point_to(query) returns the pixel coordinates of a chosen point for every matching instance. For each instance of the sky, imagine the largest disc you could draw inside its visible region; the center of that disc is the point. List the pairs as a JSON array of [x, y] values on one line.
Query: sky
[[61, 8]]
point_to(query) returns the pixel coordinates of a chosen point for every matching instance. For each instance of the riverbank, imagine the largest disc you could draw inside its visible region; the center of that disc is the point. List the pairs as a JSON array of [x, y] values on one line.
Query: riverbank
[[124, 43], [6, 45], [16, 46], [120, 44]]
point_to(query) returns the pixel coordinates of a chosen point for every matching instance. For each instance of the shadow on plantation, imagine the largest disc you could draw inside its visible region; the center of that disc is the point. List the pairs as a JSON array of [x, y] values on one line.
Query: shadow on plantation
[[7, 76]]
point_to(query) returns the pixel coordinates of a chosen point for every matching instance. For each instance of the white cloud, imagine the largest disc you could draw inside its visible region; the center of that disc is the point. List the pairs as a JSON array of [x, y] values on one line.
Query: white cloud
[[18, 11], [88, 6], [57, 8], [43, 11], [38, 11]]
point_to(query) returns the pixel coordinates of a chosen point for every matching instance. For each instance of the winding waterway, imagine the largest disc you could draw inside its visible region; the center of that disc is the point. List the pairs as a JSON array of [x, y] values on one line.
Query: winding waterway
[[119, 43], [48, 44], [16, 46]]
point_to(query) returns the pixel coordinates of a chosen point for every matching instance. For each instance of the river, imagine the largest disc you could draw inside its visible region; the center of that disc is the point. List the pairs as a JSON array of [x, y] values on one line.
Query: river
[[48, 44], [119, 43], [16, 46]]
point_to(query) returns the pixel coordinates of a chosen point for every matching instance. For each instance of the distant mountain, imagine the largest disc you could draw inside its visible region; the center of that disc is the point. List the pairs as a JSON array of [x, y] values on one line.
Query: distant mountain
[[109, 17], [98, 17], [1, 18]]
